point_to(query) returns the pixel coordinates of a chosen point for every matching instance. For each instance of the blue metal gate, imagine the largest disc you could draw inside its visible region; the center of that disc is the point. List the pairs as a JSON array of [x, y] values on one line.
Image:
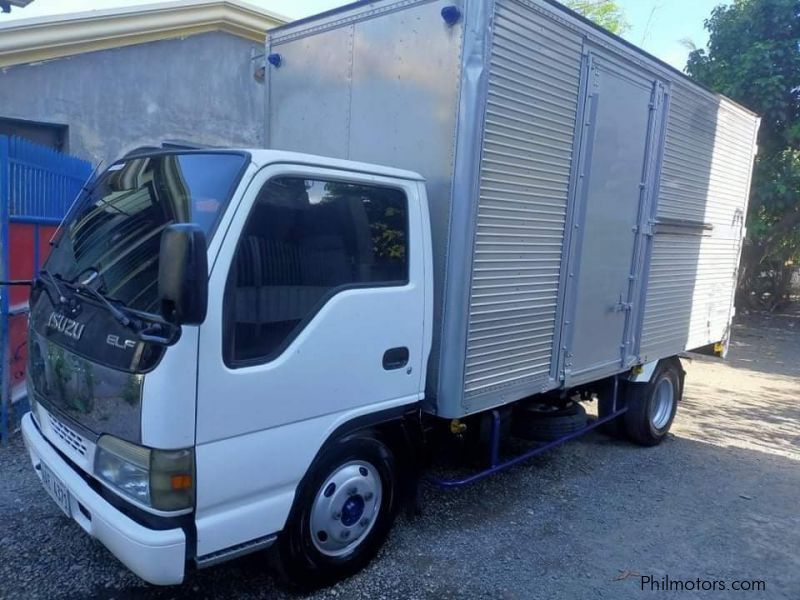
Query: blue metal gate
[[37, 187]]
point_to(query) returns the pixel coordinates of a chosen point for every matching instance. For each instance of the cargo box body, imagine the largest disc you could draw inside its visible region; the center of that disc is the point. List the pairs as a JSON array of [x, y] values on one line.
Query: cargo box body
[[587, 201]]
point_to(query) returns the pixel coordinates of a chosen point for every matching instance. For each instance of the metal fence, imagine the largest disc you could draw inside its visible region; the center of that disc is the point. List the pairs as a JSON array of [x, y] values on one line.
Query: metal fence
[[37, 187]]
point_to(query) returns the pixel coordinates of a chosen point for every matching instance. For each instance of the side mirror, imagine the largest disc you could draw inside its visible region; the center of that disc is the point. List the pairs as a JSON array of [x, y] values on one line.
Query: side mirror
[[183, 274]]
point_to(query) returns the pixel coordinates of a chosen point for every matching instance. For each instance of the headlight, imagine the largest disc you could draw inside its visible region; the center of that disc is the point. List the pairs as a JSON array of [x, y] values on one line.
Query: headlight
[[162, 479]]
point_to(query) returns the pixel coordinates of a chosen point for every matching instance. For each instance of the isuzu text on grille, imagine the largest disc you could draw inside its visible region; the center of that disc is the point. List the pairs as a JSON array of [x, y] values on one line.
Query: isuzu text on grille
[[68, 327]]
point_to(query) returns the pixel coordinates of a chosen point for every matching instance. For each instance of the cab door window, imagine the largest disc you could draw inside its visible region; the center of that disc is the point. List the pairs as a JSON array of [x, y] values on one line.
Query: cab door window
[[304, 241]]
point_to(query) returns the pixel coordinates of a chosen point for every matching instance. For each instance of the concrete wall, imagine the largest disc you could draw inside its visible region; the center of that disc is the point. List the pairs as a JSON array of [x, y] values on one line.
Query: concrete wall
[[200, 88]]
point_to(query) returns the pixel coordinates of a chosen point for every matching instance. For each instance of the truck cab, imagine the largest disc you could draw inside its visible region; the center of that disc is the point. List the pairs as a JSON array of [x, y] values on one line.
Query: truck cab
[[206, 323]]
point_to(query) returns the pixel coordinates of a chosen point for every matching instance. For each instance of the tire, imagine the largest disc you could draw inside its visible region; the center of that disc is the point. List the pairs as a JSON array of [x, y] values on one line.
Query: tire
[[652, 405], [546, 423], [355, 482]]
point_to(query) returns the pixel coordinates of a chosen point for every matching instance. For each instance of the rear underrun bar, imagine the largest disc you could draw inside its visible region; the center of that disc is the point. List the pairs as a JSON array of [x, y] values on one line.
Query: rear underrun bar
[[497, 465]]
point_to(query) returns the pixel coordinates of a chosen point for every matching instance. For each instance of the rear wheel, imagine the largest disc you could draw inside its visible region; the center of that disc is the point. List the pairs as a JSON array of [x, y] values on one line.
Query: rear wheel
[[342, 513], [652, 405]]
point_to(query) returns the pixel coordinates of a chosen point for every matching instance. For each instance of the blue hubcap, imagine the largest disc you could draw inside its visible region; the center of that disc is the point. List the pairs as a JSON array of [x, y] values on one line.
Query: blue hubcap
[[352, 510], [346, 508]]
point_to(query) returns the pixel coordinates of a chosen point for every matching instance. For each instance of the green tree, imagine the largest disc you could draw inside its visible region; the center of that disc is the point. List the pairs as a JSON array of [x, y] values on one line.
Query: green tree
[[606, 13], [753, 58]]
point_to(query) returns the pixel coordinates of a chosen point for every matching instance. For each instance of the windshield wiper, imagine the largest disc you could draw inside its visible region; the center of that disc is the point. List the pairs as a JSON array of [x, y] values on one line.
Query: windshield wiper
[[49, 278], [155, 333], [115, 311]]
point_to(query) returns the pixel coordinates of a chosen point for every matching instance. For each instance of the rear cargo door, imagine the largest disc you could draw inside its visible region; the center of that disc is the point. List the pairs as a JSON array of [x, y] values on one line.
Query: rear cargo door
[[615, 186]]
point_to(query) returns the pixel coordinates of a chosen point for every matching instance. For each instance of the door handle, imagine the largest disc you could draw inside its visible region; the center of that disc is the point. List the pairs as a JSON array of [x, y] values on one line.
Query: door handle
[[622, 306], [395, 358]]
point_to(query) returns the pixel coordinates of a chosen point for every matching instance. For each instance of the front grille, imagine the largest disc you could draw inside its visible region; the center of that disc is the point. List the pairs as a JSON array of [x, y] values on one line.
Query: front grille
[[72, 439]]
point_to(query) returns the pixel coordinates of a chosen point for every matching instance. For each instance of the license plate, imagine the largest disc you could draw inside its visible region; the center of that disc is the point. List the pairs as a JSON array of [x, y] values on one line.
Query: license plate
[[56, 489]]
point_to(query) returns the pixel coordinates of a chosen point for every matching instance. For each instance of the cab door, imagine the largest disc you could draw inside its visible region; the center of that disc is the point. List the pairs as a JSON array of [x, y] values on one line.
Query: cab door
[[317, 315]]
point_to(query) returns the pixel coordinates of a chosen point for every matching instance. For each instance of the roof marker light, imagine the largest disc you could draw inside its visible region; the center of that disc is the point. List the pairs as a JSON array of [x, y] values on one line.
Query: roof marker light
[[275, 60], [451, 15]]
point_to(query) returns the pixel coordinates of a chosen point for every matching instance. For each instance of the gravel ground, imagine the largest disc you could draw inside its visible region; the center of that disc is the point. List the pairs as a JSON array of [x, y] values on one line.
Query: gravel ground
[[718, 500]]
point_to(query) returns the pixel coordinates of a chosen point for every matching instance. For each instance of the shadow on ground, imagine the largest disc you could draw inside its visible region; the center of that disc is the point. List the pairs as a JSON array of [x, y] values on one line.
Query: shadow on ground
[[716, 501], [585, 521], [767, 343]]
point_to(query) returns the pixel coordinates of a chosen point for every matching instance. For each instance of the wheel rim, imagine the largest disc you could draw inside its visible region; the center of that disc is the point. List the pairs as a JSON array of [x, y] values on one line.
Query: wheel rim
[[663, 401], [345, 508]]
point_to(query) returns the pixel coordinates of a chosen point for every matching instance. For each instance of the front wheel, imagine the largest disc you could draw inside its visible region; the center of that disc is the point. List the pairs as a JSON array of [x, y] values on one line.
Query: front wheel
[[342, 513], [652, 405]]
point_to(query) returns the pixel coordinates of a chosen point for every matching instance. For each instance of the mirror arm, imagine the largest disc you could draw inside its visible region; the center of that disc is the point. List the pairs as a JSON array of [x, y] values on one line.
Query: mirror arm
[[28, 282], [149, 335]]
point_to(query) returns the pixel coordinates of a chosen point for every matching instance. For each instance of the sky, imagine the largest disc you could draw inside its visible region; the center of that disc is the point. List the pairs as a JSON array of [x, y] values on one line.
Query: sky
[[661, 27]]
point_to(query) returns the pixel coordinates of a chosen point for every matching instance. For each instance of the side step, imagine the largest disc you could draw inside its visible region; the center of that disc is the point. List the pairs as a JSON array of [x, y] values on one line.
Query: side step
[[497, 465], [236, 551]]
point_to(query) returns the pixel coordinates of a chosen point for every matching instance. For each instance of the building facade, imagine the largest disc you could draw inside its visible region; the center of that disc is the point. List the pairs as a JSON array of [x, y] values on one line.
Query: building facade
[[100, 84]]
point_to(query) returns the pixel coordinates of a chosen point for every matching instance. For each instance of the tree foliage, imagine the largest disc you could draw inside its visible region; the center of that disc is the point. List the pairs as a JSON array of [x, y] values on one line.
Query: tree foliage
[[606, 13], [753, 57]]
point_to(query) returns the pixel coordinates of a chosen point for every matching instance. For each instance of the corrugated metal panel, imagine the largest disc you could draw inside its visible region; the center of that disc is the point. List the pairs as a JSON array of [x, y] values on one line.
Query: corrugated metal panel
[[706, 167], [705, 178], [689, 293], [527, 154]]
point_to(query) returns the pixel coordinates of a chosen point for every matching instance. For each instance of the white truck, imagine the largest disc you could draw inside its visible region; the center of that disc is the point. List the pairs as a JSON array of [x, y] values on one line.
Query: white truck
[[472, 216]]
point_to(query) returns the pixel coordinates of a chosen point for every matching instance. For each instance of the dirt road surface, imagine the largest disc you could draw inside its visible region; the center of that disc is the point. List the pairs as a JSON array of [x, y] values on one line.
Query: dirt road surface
[[717, 501]]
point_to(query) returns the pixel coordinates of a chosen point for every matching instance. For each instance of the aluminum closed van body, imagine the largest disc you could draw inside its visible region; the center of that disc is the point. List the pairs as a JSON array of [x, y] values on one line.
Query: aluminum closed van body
[[587, 201], [473, 217]]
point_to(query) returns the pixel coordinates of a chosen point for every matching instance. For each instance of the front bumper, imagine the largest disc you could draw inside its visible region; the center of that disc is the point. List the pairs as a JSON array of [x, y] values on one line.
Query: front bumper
[[157, 556]]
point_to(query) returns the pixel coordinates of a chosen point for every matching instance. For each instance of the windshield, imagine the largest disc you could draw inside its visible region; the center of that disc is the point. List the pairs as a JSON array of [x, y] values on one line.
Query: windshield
[[114, 231]]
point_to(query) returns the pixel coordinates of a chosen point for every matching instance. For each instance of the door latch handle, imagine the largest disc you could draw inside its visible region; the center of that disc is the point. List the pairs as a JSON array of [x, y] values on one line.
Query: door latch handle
[[395, 358], [621, 306]]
